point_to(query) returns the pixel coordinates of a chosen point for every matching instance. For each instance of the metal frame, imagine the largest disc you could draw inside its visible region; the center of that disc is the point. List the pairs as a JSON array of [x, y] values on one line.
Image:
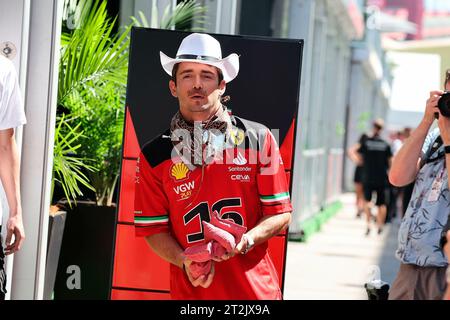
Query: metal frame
[[222, 16]]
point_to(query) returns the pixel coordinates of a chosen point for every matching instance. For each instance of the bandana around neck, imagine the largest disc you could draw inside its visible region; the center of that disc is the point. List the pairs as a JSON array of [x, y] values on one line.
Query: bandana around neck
[[199, 142]]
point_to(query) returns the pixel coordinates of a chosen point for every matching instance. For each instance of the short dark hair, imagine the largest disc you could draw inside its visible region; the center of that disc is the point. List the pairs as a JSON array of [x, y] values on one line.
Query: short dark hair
[[177, 65], [378, 124]]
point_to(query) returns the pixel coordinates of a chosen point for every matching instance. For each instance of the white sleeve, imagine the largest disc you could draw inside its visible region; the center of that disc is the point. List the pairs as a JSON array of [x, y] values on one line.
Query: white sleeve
[[12, 113]]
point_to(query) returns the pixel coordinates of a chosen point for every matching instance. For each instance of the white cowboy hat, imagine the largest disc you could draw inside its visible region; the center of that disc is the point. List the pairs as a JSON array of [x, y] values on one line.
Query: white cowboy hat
[[202, 48]]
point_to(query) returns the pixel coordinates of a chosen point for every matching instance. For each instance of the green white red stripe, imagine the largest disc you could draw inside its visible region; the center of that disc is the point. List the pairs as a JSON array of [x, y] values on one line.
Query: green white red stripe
[[149, 221], [275, 197]]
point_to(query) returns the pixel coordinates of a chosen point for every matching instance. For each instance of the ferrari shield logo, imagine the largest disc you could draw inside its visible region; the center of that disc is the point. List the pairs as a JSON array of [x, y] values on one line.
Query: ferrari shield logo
[[237, 136]]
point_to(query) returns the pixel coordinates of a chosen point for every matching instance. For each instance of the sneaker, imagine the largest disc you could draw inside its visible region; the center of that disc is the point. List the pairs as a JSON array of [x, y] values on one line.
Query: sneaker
[[380, 230], [367, 231]]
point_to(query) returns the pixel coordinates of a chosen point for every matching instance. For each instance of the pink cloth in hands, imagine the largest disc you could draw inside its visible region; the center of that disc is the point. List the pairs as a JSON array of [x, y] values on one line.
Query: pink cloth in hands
[[198, 269], [235, 229], [221, 236], [199, 253]]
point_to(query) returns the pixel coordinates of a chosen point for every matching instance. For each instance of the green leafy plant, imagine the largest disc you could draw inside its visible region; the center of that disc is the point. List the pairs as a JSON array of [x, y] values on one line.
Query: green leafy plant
[[179, 18], [363, 121], [92, 87], [67, 165], [91, 54], [102, 117], [92, 79]]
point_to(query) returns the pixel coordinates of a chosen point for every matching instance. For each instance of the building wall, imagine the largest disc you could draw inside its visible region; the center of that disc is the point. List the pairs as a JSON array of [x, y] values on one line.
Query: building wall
[[442, 50], [432, 17], [369, 93]]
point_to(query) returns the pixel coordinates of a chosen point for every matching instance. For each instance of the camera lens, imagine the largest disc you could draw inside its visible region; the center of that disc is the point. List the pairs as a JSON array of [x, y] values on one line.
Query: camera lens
[[444, 104]]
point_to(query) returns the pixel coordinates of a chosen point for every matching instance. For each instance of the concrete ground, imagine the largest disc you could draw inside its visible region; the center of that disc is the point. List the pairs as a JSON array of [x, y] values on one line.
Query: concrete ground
[[335, 263]]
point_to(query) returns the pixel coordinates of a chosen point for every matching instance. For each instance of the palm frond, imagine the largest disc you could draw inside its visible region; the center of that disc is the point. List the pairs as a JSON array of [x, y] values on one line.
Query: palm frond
[[179, 18], [67, 166], [182, 16], [92, 53]]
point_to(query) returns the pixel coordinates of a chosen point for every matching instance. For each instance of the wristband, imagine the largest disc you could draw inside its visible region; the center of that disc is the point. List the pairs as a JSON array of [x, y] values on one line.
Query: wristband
[[249, 243], [447, 149]]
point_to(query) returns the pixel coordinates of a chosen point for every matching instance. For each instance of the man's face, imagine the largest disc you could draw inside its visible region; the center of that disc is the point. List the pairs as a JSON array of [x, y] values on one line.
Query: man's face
[[197, 88]]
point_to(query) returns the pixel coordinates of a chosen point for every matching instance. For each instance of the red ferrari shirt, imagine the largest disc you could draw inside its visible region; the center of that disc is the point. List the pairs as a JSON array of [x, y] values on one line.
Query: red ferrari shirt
[[247, 183]]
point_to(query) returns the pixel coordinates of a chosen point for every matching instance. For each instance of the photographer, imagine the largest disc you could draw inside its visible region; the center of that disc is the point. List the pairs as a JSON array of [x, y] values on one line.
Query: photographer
[[425, 158]]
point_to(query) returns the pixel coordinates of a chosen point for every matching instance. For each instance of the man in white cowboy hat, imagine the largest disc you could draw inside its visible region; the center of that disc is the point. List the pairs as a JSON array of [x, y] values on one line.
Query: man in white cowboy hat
[[211, 162]]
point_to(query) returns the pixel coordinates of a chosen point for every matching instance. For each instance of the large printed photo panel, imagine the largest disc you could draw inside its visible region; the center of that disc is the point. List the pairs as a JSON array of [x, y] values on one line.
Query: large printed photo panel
[[266, 91]]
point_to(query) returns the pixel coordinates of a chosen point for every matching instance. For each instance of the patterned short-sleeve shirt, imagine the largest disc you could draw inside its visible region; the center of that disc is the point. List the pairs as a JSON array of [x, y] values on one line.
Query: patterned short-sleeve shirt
[[427, 214]]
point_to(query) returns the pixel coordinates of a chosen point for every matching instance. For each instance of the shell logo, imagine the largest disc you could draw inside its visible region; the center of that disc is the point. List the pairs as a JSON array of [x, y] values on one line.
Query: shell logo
[[179, 171]]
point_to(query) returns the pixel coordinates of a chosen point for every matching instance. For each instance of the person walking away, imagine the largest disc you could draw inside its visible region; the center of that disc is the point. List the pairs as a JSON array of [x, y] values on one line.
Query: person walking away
[[356, 158], [377, 155]]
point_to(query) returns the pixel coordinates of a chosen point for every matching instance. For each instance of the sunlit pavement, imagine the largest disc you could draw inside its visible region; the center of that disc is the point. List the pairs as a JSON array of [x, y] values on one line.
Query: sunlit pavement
[[335, 262]]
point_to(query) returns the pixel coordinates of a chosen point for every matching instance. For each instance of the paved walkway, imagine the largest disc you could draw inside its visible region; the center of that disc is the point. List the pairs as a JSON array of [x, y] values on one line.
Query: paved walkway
[[335, 263]]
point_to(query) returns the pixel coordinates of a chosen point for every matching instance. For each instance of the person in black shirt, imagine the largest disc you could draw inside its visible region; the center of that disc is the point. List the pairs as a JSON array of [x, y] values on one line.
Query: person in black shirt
[[354, 155], [376, 154]]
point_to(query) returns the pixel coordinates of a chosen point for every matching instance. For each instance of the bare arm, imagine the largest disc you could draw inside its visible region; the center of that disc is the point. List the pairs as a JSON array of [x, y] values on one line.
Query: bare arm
[[405, 163], [168, 248], [353, 154], [266, 228], [9, 175]]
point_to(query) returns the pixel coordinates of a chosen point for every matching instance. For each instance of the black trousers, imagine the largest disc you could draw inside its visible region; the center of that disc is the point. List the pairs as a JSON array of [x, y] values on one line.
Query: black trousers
[[392, 204], [2, 271]]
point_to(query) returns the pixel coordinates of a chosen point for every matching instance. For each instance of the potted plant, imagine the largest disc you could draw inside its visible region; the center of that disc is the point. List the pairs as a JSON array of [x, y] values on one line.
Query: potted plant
[[91, 93], [68, 173]]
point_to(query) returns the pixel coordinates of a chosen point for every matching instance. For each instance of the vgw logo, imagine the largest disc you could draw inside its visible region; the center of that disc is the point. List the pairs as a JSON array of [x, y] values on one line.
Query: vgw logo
[[188, 186]]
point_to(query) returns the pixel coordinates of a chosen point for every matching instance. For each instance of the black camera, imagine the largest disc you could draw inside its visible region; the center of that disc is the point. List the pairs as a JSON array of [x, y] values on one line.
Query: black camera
[[444, 104]]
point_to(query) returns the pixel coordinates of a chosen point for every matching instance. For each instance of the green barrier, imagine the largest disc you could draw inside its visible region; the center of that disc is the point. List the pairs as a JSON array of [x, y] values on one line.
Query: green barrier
[[314, 224]]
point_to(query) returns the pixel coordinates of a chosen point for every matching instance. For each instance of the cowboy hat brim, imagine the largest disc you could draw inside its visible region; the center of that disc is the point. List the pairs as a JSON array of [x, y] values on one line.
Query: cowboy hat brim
[[229, 65]]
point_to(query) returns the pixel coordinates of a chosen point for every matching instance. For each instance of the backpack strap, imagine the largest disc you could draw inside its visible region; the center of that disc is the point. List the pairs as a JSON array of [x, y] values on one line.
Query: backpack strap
[[431, 150]]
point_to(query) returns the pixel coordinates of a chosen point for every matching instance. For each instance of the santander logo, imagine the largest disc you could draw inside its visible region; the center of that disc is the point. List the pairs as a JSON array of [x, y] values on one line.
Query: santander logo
[[240, 160]]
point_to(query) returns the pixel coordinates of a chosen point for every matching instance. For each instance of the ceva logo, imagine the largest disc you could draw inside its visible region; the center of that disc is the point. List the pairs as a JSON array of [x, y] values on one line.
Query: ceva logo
[[240, 177]]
